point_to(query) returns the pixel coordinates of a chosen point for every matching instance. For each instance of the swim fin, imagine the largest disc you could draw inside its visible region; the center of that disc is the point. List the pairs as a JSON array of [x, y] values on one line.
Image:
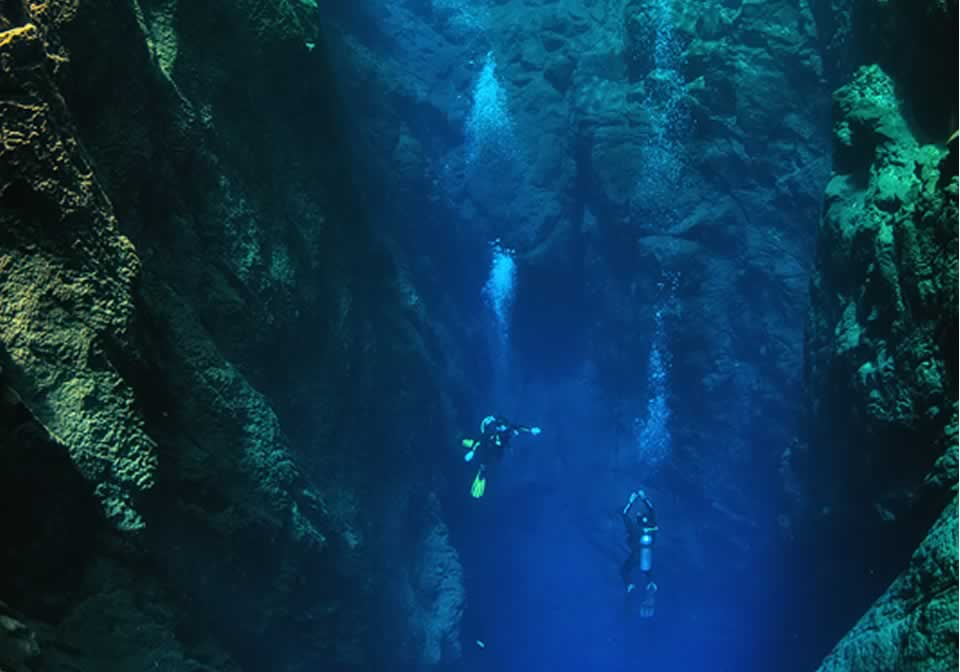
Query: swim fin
[[646, 607], [479, 485]]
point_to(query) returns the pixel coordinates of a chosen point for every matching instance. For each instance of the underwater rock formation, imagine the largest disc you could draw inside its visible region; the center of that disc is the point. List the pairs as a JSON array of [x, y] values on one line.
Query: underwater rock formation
[[431, 596], [884, 312], [913, 626], [67, 279], [880, 462], [18, 644], [233, 352], [194, 318], [706, 170]]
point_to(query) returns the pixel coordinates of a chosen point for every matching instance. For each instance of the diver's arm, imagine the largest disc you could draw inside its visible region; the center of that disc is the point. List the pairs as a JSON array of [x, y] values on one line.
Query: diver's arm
[[517, 429], [647, 503], [642, 496]]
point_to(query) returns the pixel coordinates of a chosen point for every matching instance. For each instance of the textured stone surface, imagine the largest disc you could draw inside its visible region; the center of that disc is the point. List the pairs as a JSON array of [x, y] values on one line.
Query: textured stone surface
[[884, 314], [880, 461], [913, 625], [192, 304], [18, 643], [66, 282], [709, 164], [432, 595]]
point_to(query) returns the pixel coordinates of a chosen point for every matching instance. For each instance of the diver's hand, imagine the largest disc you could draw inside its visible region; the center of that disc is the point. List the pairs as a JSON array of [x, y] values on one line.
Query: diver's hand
[[535, 430], [633, 498]]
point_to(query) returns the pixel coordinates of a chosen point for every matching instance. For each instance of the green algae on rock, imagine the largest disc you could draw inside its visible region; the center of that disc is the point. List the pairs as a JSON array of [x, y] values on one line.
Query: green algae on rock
[[192, 302], [881, 365], [884, 301], [67, 280]]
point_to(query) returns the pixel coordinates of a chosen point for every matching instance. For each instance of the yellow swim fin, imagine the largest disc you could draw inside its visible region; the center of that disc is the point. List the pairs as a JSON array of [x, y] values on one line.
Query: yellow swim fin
[[479, 485]]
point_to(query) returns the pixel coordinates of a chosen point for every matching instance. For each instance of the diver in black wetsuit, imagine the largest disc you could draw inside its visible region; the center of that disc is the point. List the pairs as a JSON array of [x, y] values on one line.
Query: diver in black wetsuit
[[641, 534], [495, 436]]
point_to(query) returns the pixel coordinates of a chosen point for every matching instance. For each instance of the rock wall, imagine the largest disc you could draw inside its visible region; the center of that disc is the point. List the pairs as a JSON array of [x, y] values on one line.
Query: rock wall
[[230, 365], [880, 463], [217, 380], [913, 625], [72, 292], [703, 170]]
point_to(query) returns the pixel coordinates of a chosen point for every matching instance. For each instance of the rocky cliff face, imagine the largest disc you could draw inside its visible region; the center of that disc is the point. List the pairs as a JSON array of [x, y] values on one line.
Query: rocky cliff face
[[881, 463], [702, 166], [195, 325], [913, 625], [225, 400]]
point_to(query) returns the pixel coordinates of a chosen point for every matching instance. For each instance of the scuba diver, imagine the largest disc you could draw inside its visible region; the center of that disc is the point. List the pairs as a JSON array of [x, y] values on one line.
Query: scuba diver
[[641, 532], [495, 436]]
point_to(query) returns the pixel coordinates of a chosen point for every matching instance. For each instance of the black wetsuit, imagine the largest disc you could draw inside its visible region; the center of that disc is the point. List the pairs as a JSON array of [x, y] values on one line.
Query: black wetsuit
[[496, 437]]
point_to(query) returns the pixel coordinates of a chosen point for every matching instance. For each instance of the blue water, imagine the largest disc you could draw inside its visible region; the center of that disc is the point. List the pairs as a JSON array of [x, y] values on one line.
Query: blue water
[[542, 552]]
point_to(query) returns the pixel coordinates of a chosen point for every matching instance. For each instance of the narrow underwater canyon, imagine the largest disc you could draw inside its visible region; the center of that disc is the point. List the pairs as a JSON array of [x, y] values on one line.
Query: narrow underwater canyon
[[264, 264]]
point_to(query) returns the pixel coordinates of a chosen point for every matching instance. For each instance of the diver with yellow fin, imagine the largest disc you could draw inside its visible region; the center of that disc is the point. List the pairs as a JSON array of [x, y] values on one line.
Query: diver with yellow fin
[[495, 436]]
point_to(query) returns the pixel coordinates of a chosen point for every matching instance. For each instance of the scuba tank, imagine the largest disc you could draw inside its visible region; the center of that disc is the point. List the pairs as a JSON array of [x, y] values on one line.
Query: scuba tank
[[646, 551]]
